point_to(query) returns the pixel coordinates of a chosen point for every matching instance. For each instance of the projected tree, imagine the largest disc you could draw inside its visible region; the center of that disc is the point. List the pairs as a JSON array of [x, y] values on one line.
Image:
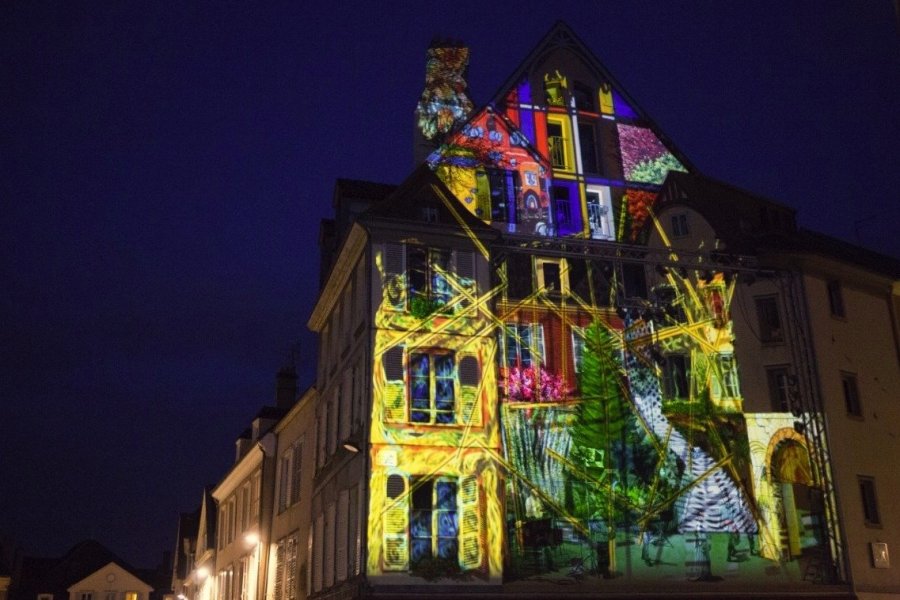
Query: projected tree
[[598, 432]]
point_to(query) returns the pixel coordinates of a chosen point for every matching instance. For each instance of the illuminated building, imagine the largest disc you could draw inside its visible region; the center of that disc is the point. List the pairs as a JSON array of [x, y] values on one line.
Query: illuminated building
[[556, 355]]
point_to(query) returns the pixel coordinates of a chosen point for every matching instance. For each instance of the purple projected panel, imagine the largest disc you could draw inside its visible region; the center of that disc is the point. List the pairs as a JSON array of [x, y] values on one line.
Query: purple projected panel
[[566, 206], [524, 92], [526, 124], [621, 108]]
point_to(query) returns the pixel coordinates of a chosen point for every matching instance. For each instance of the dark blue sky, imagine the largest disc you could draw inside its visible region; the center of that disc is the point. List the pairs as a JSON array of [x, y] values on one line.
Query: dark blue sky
[[163, 171]]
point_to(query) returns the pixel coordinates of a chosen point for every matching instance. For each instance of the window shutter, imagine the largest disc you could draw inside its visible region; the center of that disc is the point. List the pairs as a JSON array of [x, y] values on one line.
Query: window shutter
[[395, 274], [329, 544], [342, 527], [469, 380], [290, 582], [396, 525], [353, 537], [345, 391], [465, 264], [318, 540], [470, 524], [295, 472], [279, 571], [394, 390]]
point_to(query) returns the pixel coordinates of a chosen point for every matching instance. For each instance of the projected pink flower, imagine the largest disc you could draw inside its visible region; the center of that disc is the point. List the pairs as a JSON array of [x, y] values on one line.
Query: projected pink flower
[[524, 385]]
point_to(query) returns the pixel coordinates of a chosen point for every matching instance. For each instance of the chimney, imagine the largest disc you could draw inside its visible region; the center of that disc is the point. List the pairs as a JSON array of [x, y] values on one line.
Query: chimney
[[285, 387], [444, 103]]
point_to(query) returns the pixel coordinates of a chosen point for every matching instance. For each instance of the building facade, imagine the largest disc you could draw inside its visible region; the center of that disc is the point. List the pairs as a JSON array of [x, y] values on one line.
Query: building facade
[[557, 355]]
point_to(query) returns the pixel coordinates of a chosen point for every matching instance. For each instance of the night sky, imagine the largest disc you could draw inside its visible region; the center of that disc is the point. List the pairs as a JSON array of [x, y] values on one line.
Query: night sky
[[164, 168]]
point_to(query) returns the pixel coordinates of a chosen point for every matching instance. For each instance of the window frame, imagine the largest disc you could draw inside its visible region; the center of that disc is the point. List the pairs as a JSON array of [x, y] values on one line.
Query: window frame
[[676, 378], [432, 411], [435, 512], [516, 337], [561, 265], [770, 332], [566, 153], [604, 217], [869, 501], [778, 381], [850, 392], [836, 299], [680, 226], [430, 273]]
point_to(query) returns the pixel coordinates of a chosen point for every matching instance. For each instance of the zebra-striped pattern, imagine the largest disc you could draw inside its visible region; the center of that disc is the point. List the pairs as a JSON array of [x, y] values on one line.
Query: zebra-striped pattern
[[713, 504]]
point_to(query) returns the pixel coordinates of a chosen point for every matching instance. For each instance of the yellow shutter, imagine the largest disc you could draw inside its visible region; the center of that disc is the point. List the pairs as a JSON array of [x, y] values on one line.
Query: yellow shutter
[[396, 525], [468, 403], [395, 402], [470, 524]]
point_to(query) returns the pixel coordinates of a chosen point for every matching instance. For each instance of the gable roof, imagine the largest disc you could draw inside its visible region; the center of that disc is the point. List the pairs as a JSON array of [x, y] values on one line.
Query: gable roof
[[561, 36], [114, 567]]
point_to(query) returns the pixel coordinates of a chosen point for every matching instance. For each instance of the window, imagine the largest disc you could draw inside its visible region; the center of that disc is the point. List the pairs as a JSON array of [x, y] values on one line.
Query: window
[[429, 214], [769, 321], [131, 595], [296, 465], [431, 380], [242, 586], [429, 518], [428, 288], [587, 139], [353, 537], [321, 434], [562, 209], [333, 408], [680, 225], [523, 344], [285, 585], [433, 524], [676, 377], [599, 213], [558, 144], [87, 596], [318, 544], [552, 275], [725, 381], [232, 519], [835, 299], [577, 346], [254, 497], [779, 388], [284, 479], [851, 394], [328, 561], [869, 501], [342, 530], [583, 96], [504, 186]]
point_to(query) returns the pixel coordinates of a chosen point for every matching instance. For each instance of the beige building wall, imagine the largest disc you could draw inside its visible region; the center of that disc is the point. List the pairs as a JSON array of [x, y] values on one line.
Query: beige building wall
[[111, 582], [239, 532], [861, 345], [288, 548]]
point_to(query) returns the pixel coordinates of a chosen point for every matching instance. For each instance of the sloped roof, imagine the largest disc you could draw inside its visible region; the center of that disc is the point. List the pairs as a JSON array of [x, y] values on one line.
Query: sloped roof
[[561, 36], [421, 190], [736, 216], [55, 575]]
